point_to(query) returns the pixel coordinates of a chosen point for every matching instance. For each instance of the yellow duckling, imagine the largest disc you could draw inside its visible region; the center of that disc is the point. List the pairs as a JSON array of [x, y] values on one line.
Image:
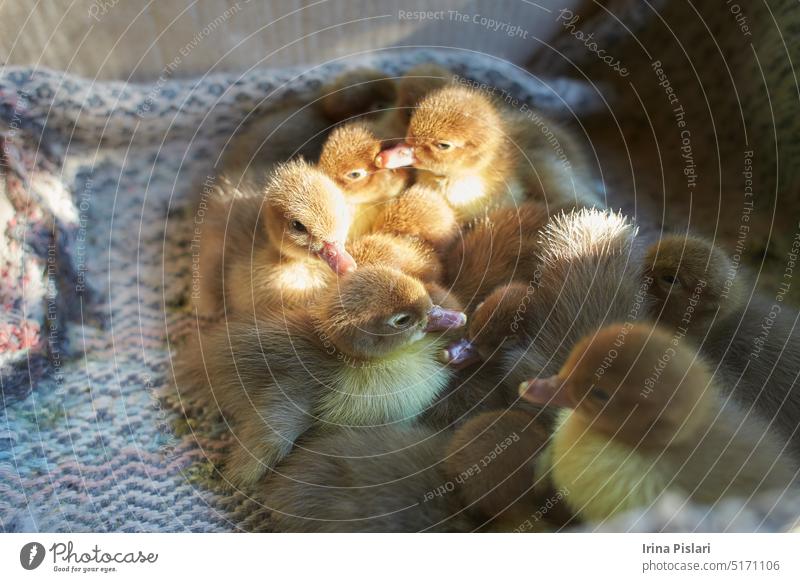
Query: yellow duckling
[[643, 416], [364, 353]]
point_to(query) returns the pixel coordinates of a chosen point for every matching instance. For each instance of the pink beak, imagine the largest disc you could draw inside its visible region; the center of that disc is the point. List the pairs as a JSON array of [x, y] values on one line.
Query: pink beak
[[441, 319], [337, 258], [545, 392], [398, 156], [460, 354]]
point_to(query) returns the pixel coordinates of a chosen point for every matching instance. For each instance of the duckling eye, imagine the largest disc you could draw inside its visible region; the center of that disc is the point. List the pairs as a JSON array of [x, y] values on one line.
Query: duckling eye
[[356, 175], [400, 321], [599, 394], [443, 145], [298, 226], [668, 279]]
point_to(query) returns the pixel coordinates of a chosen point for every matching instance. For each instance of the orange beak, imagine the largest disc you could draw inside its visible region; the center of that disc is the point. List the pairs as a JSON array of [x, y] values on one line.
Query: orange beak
[[337, 258], [545, 392], [399, 156]]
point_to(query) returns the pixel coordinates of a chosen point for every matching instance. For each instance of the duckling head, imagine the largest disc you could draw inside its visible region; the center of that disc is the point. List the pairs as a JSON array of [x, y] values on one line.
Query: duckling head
[[348, 158], [635, 385], [376, 311], [453, 130], [307, 214], [687, 268], [496, 321]]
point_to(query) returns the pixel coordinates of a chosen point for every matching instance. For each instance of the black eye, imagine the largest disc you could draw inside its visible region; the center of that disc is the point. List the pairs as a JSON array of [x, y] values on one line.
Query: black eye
[[599, 394], [668, 279], [443, 145], [298, 226], [400, 321], [356, 174]]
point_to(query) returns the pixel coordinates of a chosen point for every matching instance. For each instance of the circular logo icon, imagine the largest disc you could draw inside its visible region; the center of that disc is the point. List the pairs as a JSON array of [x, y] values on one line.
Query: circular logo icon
[[31, 555]]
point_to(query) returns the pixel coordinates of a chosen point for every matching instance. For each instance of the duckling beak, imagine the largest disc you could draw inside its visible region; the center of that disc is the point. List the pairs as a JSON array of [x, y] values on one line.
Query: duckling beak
[[460, 354], [545, 392], [441, 319], [398, 156], [337, 258]]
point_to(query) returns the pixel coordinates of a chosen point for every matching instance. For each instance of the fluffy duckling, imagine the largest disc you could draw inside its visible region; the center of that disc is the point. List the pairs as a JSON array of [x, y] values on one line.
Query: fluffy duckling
[[480, 157], [362, 354], [494, 454], [384, 104], [501, 248], [276, 246], [587, 276], [407, 255], [293, 131], [348, 158], [380, 479], [356, 92], [406, 478], [412, 87], [693, 283], [420, 214], [754, 339], [646, 416]]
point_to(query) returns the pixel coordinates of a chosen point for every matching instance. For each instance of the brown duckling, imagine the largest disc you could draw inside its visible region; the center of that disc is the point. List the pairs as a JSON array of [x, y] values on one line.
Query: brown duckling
[[587, 276], [407, 255], [498, 249], [693, 284], [276, 246], [380, 479], [363, 353], [644, 417], [492, 457], [295, 130], [405, 478], [384, 103], [348, 158], [419, 213], [480, 157], [357, 92], [754, 339], [412, 87]]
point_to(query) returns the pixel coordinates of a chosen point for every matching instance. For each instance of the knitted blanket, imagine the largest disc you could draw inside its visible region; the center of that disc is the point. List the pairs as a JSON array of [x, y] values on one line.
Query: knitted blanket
[[95, 273]]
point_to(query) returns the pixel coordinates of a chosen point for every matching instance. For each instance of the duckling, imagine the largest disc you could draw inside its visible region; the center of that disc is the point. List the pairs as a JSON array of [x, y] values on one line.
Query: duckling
[[646, 416], [363, 353], [496, 250], [356, 92], [492, 457], [412, 87], [480, 156], [294, 130], [405, 478], [693, 284], [348, 158], [379, 479], [407, 255], [754, 339], [421, 214], [263, 248], [588, 275]]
